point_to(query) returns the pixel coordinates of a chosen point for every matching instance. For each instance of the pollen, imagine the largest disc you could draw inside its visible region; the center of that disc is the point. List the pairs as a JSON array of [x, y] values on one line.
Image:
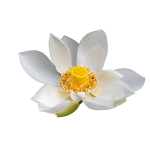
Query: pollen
[[78, 79]]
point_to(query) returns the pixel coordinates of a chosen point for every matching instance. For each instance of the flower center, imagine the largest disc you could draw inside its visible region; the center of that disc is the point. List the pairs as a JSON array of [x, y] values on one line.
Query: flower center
[[78, 79]]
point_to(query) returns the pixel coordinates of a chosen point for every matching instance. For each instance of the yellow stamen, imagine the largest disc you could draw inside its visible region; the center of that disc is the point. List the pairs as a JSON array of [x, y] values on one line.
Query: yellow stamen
[[78, 79]]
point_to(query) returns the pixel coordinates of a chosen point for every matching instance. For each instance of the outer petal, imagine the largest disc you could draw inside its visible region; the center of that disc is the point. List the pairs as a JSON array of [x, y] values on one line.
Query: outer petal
[[60, 54], [61, 106], [42, 107], [39, 67], [131, 78], [73, 46], [90, 40], [77, 97], [100, 103], [108, 76], [94, 58], [118, 89], [46, 109], [49, 96]]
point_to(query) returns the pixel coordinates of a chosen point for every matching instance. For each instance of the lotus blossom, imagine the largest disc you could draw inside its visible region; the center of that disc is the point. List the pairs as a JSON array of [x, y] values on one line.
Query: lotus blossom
[[76, 75]]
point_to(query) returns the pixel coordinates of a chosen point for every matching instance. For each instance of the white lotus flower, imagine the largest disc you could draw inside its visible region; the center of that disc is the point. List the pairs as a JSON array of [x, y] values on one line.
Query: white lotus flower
[[98, 89]]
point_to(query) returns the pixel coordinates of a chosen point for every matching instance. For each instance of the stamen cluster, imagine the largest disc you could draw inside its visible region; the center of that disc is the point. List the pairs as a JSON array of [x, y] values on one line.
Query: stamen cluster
[[68, 82]]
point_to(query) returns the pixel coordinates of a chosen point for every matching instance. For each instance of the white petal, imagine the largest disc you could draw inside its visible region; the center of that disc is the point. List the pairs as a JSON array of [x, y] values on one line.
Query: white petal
[[131, 78], [119, 102], [107, 76], [77, 97], [118, 89], [94, 59], [81, 95], [60, 54], [50, 96], [100, 103], [73, 46], [62, 105], [42, 107], [39, 67], [74, 96], [90, 40]]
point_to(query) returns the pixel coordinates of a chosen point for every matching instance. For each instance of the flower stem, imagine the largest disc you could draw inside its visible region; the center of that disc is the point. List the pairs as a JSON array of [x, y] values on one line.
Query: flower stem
[[81, 102]]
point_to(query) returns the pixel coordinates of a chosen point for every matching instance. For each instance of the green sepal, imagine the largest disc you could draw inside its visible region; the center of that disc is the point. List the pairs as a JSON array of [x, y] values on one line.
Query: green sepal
[[119, 102], [71, 108]]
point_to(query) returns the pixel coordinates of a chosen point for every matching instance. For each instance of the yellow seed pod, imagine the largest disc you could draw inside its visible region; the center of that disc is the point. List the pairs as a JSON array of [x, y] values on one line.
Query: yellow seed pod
[[79, 73]]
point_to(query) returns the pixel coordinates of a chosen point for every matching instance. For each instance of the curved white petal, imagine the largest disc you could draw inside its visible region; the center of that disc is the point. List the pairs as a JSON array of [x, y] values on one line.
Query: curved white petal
[[107, 76], [90, 40], [77, 97], [42, 107], [39, 67], [131, 78], [94, 58], [60, 54], [73, 46], [59, 107], [81, 95], [50, 96], [118, 89], [100, 103], [119, 102]]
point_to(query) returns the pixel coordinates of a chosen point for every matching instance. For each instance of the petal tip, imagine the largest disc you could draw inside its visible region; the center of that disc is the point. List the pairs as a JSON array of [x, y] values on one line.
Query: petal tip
[[52, 36], [21, 54]]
